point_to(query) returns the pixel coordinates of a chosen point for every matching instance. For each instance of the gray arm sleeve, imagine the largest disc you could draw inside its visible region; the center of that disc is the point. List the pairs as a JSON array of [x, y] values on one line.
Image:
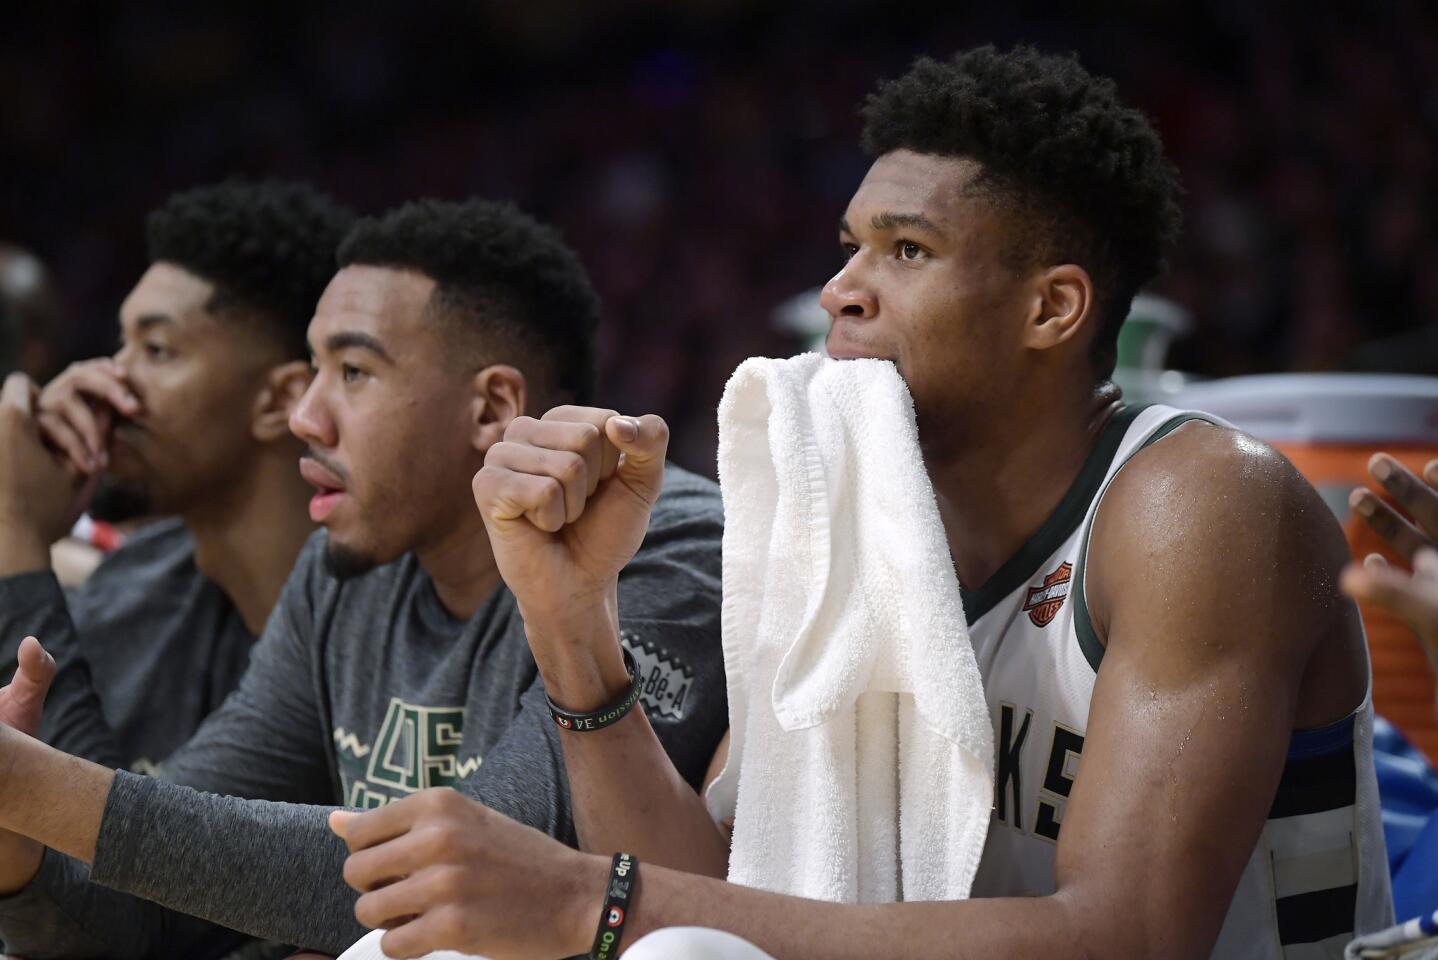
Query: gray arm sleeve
[[238, 863]]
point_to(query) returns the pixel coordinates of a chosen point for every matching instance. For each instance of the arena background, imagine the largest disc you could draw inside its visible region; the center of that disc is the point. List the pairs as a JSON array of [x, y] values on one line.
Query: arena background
[[698, 154]]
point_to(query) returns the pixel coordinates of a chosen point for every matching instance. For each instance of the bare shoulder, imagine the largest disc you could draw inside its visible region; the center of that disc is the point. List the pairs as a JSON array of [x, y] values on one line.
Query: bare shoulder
[[1214, 535]]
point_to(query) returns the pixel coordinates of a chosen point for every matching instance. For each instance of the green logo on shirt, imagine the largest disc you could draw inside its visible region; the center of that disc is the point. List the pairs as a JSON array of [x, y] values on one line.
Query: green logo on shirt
[[417, 748]]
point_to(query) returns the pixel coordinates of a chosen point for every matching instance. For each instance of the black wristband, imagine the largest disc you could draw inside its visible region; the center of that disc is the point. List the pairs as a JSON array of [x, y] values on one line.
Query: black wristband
[[606, 715], [623, 872]]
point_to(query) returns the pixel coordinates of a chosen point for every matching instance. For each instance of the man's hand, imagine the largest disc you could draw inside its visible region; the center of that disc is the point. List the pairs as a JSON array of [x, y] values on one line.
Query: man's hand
[[77, 410], [41, 493], [439, 871], [22, 702], [566, 500], [1412, 596]]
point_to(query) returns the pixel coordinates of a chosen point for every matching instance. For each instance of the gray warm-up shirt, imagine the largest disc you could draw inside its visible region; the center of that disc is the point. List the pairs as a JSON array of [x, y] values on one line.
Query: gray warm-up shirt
[[361, 691], [164, 644]]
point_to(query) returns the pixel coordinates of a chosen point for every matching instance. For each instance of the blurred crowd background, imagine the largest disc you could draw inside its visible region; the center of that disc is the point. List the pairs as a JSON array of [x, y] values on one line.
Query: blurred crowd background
[[699, 153]]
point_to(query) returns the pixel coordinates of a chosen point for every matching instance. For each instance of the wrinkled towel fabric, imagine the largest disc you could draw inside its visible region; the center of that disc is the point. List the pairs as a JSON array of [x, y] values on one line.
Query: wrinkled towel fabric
[[860, 759]]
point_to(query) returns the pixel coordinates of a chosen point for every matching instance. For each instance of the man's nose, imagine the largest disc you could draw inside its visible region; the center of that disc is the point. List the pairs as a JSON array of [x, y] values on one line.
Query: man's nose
[[310, 420], [848, 295]]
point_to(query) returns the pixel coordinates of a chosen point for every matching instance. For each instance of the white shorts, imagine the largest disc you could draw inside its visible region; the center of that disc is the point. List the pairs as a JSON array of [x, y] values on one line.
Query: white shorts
[[671, 943]]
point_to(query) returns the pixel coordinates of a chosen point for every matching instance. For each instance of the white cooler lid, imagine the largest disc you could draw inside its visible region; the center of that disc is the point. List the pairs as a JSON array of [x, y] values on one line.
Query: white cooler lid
[[1322, 407]]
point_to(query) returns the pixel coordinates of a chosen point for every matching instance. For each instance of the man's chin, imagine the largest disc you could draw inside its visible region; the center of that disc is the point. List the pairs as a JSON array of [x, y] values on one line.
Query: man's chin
[[345, 562], [118, 499]]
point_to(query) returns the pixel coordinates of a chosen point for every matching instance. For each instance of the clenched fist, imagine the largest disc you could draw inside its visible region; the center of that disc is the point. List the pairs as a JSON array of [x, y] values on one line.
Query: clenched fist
[[566, 500]]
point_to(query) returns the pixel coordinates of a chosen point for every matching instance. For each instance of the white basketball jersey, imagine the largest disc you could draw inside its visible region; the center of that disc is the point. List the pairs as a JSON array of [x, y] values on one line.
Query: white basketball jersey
[[1319, 873]]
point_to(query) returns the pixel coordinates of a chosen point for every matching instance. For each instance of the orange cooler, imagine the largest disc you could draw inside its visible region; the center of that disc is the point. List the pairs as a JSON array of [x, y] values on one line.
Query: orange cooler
[[1329, 425]]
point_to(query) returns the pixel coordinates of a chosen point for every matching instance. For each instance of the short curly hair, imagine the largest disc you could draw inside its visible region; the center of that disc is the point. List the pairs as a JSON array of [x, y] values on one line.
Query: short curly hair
[[269, 246], [510, 279], [1081, 175]]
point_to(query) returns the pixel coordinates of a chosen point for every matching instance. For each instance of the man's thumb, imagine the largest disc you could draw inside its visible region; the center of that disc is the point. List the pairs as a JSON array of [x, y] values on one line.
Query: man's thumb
[[37, 668], [22, 702], [643, 441]]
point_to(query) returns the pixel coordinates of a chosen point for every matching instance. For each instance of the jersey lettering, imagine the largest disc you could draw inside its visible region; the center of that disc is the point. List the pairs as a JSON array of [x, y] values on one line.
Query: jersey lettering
[[1058, 780], [1007, 782]]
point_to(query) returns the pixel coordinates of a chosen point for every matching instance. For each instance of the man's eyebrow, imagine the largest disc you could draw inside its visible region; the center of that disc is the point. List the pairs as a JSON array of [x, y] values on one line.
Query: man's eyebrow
[[355, 338], [889, 220], [150, 320], [844, 225]]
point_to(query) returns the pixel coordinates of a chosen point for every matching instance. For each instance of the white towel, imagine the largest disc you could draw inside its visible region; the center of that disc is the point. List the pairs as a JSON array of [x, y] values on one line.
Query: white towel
[[860, 759], [368, 948]]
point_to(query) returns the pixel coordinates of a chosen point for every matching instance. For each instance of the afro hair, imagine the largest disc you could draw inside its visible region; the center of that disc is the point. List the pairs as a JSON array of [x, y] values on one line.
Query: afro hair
[[269, 246], [1083, 175], [511, 279]]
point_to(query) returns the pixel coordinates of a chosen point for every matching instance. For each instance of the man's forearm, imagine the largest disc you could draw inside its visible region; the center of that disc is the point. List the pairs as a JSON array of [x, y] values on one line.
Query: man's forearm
[[269, 869], [625, 791], [51, 797], [795, 929]]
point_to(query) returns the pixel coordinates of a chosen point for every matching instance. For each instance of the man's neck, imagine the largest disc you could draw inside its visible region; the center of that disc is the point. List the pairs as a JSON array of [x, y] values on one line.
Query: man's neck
[[462, 566], [996, 493], [247, 538]]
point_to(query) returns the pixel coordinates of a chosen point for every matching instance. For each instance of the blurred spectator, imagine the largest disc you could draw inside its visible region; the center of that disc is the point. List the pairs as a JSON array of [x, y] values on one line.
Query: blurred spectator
[[31, 318]]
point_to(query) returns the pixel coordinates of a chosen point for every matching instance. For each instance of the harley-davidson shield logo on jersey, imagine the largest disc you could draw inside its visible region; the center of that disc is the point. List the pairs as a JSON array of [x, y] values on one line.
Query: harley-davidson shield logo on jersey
[[1042, 603]]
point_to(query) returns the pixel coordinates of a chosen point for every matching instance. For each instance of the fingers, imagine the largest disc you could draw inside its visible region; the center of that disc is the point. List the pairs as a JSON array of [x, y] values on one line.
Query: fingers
[[1388, 523], [71, 416], [102, 379], [385, 863], [572, 471], [80, 402], [644, 442], [1425, 563], [401, 901], [364, 830], [340, 820], [587, 422], [18, 393], [60, 434], [1412, 494], [1415, 599], [439, 929], [546, 470], [504, 496]]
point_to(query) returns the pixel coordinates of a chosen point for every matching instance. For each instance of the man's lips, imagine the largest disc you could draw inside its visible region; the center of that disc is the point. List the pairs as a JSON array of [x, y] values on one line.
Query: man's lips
[[847, 351], [329, 488], [838, 345]]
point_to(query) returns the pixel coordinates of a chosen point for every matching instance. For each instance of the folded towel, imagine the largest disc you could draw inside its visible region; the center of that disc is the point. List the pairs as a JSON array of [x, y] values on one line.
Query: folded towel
[[861, 750]]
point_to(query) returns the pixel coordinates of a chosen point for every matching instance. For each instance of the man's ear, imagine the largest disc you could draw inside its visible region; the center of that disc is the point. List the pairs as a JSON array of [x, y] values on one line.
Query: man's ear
[[500, 395], [1063, 305], [283, 387]]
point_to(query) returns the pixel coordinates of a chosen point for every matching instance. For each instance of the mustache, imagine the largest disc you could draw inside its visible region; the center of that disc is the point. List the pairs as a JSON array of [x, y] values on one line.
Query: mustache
[[312, 454]]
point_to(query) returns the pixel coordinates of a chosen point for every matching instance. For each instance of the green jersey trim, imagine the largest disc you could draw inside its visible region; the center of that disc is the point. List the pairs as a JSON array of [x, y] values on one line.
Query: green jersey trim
[[1083, 623], [1021, 567]]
